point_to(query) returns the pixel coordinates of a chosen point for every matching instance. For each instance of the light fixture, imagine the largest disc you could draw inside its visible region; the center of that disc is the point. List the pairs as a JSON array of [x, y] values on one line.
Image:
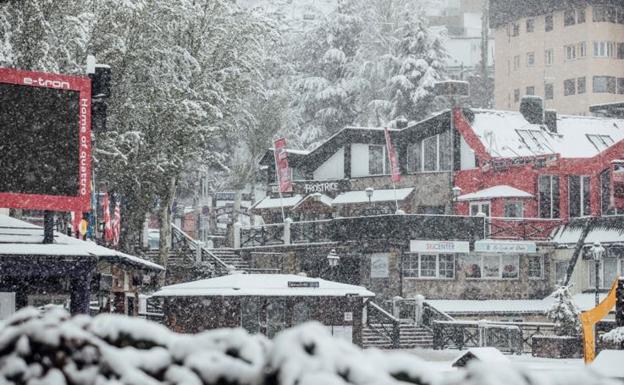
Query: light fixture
[[597, 251], [333, 258], [369, 193], [456, 192]]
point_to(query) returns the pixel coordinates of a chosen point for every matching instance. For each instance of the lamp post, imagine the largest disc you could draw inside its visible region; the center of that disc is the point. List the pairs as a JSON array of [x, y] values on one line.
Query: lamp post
[[456, 193], [332, 259], [369, 194], [597, 252]]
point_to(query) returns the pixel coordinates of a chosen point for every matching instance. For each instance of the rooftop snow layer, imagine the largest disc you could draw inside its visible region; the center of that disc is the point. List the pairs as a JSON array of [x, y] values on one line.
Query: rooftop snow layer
[[351, 197], [567, 236], [500, 191], [507, 134], [272, 203], [324, 199], [263, 285]]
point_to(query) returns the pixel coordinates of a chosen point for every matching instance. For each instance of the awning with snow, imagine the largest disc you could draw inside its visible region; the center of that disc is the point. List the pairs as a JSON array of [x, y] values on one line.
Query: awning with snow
[[354, 197], [275, 203], [263, 285], [315, 199], [500, 191], [20, 238], [566, 236]]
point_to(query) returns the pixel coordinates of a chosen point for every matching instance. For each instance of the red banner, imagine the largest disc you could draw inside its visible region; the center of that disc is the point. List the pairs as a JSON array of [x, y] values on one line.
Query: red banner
[[392, 157], [108, 230], [617, 184], [281, 166], [116, 225]]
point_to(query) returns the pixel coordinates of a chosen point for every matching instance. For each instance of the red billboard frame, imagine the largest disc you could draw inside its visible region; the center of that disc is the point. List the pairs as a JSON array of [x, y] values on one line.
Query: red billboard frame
[[82, 200]]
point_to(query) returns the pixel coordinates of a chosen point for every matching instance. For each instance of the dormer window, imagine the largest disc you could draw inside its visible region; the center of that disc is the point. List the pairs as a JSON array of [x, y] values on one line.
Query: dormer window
[[431, 154]]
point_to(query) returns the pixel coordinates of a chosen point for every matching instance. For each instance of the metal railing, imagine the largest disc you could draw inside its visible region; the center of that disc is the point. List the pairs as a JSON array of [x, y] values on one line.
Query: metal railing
[[311, 231], [265, 235], [190, 251], [430, 314], [383, 324], [510, 337], [520, 228]]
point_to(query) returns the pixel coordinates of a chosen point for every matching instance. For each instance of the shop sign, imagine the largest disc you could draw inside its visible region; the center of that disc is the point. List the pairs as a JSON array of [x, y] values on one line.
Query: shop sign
[[505, 247], [348, 316], [439, 246], [379, 266], [314, 284]]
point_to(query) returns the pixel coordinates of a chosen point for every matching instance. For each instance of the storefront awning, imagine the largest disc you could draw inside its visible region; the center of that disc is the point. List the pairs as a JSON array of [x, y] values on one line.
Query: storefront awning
[[315, 199], [500, 191], [354, 197], [263, 285]]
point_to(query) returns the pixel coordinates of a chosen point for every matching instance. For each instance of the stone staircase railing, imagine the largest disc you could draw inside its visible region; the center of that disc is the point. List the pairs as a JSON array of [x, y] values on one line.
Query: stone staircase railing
[[194, 250]]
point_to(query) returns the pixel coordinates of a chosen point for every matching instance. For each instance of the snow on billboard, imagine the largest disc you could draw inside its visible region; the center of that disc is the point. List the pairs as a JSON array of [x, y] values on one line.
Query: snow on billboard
[[45, 141]]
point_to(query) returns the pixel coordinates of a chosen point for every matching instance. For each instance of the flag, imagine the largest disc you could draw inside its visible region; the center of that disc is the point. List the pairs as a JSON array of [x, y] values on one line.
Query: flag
[[108, 230], [392, 157], [281, 166], [116, 225]]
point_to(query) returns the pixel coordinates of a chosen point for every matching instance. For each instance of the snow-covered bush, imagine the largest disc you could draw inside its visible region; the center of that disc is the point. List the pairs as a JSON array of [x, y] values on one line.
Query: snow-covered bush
[[615, 336], [564, 313], [52, 348]]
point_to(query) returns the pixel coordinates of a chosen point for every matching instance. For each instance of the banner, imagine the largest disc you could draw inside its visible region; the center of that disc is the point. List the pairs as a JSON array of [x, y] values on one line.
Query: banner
[[392, 157], [116, 225], [281, 166], [108, 230], [617, 184], [76, 218]]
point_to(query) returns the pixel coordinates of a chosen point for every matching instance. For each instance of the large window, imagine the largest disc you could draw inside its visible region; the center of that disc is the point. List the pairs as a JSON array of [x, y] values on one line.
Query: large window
[[578, 196], [606, 203], [604, 84], [548, 186], [608, 14], [609, 270], [581, 85], [548, 23], [431, 154], [491, 266], [377, 162], [573, 16], [429, 266], [620, 86], [514, 210], [569, 87], [604, 49]]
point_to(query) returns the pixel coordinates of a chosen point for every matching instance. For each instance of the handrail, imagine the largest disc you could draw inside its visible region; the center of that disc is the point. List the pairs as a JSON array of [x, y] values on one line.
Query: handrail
[[222, 266], [381, 327], [383, 311]]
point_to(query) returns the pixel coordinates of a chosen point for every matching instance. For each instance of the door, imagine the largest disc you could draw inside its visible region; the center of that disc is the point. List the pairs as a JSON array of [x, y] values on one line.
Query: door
[[482, 207]]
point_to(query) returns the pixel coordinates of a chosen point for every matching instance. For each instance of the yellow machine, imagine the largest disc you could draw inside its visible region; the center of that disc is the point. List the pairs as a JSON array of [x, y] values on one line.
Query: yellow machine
[[591, 317]]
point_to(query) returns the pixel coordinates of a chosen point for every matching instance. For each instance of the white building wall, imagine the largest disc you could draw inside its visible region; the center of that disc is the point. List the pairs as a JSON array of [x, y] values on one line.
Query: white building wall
[[332, 168], [467, 155], [359, 159]]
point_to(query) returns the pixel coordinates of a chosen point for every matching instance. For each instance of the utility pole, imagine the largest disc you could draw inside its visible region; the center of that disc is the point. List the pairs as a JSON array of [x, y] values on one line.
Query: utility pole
[[483, 70]]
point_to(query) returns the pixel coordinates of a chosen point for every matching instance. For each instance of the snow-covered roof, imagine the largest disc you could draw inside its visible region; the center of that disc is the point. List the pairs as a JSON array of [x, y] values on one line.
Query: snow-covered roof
[[507, 134], [324, 199], [273, 203], [351, 197], [488, 355], [584, 301], [293, 151], [263, 285], [22, 238], [565, 235], [500, 191]]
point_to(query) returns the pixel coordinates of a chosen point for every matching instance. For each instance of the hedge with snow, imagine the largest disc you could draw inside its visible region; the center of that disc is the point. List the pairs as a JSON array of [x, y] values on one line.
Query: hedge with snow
[[52, 348]]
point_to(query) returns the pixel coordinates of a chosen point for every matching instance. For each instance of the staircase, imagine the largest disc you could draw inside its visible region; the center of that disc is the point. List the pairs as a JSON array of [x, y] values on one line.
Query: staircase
[[230, 258], [410, 337]]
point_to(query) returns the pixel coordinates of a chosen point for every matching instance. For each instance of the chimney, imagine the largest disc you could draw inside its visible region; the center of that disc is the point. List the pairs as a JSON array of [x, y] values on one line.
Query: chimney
[[532, 108], [550, 120]]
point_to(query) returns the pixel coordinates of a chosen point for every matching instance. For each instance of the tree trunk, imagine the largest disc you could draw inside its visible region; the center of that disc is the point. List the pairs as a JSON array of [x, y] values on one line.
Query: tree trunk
[[164, 245], [587, 228]]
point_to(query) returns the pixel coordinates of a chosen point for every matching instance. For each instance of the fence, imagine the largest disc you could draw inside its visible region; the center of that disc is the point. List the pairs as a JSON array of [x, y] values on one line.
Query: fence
[[383, 324], [511, 337], [520, 228], [190, 251]]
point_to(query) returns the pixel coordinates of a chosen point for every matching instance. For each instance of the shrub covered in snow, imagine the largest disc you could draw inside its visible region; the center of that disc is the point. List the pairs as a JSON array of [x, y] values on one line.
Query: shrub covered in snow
[[52, 348], [615, 336], [564, 313]]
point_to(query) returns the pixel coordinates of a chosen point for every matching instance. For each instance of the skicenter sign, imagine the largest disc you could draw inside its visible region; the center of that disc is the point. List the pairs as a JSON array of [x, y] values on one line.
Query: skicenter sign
[[417, 246]]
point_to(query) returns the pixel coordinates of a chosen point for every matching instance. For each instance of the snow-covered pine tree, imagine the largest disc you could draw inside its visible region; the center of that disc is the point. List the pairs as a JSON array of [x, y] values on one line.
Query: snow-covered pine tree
[[564, 313]]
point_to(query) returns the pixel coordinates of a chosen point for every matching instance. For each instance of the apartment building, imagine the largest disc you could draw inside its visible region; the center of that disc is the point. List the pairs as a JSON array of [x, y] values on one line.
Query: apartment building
[[569, 53]]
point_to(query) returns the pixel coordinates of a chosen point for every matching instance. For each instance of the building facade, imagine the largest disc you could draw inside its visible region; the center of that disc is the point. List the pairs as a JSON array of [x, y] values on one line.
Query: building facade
[[569, 53]]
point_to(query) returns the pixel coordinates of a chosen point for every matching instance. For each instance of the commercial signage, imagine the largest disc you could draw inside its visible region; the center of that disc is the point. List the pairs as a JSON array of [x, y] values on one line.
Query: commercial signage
[[329, 187], [314, 284], [486, 246], [439, 246], [379, 266], [45, 141]]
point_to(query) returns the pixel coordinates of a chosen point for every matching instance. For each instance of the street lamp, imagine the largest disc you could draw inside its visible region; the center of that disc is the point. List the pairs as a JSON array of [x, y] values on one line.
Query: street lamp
[[456, 193], [369, 194], [597, 252], [332, 258]]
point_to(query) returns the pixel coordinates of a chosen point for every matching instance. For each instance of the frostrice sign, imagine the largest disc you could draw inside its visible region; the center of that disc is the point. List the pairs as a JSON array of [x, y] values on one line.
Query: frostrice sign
[[439, 246], [505, 247]]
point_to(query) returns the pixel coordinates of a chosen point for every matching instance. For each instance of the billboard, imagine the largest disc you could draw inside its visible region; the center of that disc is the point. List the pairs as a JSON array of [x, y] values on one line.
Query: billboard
[[45, 141]]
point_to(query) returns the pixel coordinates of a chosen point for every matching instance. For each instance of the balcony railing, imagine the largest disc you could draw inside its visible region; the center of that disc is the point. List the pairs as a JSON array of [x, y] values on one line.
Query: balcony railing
[[520, 228], [266, 235]]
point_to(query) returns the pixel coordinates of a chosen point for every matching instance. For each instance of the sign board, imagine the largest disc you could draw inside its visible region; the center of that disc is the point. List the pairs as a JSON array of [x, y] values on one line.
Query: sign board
[[314, 284], [348, 316], [417, 246], [487, 246], [331, 187], [379, 266], [45, 141]]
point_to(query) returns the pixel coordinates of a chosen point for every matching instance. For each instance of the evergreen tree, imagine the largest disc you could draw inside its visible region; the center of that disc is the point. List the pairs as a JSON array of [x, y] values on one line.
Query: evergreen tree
[[564, 313]]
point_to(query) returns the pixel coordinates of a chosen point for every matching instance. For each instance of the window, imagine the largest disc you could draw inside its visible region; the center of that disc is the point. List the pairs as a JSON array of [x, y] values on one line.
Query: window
[[601, 142], [605, 49], [477, 207], [620, 86], [536, 267], [376, 160], [604, 84], [578, 196], [569, 17], [516, 95], [606, 202], [620, 50], [620, 15], [599, 14], [548, 57], [516, 62], [491, 266], [608, 271], [530, 90], [580, 16], [548, 23], [530, 57], [548, 186], [569, 87], [431, 266], [581, 85], [514, 209], [582, 49], [515, 29], [534, 140], [530, 25], [570, 52], [548, 91], [414, 157], [561, 270], [431, 154]]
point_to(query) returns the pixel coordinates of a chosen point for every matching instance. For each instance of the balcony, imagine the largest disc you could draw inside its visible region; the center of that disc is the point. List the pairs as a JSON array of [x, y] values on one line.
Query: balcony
[[537, 229]]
